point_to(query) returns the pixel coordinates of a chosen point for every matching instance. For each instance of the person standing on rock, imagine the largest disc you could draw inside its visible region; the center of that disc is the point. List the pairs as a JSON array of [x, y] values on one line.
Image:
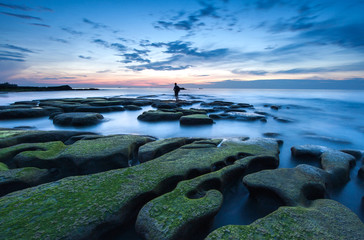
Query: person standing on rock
[[176, 90]]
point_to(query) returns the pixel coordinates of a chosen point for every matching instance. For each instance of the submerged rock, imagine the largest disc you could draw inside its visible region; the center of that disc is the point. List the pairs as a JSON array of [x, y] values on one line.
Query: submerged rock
[[23, 113], [157, 115], [361, 172], [335, 162], [132, 107], [99, 109], [241, 116], [78, 118], [293, 186], [87, 206], [324, 219], [196, 119]]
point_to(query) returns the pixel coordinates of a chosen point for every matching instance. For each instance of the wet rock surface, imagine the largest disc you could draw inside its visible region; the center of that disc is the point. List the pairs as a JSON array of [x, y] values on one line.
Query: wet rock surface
[[324, 219], [157, 115], [195, 119], [77, 119]]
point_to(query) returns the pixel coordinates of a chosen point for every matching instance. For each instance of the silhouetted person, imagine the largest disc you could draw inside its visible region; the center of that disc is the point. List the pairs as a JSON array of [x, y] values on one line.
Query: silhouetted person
[[176, 90]]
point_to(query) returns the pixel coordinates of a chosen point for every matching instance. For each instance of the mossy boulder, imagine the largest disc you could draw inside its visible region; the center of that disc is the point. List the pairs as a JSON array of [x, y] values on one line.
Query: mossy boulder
[[16, 179], [196, 119], [293, 186], [190, 207], [23, 113], [106, 103], [10, 137], [324, 219], [104, 153], [83, 207], [157, 148], [156, 115], [41, 155], [3, 167], [78, 118]]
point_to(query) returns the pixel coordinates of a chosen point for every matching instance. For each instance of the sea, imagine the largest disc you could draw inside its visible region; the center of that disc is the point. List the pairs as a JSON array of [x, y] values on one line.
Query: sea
[[331, 118]]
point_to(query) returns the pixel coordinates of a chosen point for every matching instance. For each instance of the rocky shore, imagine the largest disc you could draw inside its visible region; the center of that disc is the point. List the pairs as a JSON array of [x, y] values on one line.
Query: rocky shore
[[83, 185]]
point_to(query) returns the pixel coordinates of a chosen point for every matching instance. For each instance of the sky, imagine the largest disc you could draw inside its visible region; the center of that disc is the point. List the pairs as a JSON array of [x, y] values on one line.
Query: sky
[[153, 43]]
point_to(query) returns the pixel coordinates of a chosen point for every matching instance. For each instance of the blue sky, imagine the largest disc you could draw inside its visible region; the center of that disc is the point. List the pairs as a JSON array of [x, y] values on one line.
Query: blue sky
[[159, 42]]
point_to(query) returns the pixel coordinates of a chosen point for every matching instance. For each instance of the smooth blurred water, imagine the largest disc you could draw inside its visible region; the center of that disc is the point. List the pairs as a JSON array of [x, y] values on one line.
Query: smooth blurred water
[[331, 118]]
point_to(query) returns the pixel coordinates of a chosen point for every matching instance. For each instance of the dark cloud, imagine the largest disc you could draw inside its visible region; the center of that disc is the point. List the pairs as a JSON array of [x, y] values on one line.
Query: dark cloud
[[40, 25], [84, 57], [11, 56], [168, 65], [71, 31], [134, 57], [44, 9], [16, 7], [180, 47], [58, 40], [116, 46], [192, 21], [21, 16], [12, 47], [94, 24]]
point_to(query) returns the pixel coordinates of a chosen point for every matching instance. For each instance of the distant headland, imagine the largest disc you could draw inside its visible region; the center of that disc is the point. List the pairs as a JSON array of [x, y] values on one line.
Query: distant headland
[[8, 87]]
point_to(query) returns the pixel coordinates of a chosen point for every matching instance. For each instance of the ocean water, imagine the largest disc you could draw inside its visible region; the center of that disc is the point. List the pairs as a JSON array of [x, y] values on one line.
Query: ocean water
[[332, 118]]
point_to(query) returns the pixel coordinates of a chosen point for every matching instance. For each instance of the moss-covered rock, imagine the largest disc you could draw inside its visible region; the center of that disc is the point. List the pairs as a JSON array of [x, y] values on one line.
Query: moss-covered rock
[[104, 153], [3, 167], [196, 119], [324, 219], [10, 137], [182, 213], [157, 148], [293, 186], [106, 103], [17, 179], [78, 118], [156, 115], [87, 206], [64, 104], [41, 155]]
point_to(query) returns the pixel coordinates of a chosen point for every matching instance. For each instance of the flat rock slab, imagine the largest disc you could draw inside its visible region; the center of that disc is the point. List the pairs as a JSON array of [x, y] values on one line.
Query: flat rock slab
[[324, 219], [99, 109], [82, 207], [294, 186], [196, 119], [157, 115], [78, 119]]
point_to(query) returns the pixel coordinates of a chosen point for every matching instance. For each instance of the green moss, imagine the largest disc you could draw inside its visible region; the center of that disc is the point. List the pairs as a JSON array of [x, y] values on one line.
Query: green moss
[[324, 219], [10, 133], [74, 207], [3, 167]]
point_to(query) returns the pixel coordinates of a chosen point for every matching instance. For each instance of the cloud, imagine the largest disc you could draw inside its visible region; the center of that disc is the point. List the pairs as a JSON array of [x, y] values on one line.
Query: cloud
[[71, 31], [358, 66], [40, 25], [134, 57], [167, 65], [116, 46], [21, 16], [16, 7], [94, 24], [104, 71], [251, 72], [180, 47], [58, 40], [192, 21], [13, 47], [84, 57]]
